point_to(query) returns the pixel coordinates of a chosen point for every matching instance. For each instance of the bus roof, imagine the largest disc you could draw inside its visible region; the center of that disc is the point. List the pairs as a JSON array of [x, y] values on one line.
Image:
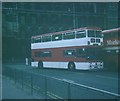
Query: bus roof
[[93, 28], [111, 30]]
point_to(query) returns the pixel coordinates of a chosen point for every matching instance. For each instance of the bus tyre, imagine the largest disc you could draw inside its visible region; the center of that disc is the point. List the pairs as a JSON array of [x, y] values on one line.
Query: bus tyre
[[40, 64], [71, 65]]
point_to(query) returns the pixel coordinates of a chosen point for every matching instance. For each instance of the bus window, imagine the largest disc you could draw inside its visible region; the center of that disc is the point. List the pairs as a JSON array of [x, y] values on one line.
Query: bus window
[[43, 54], [70, 35], [91, 33], [46, 54], [80, 34], [98, 40], [36, 40], [46, 38], [69, 53], [56, 37], [98, 34], [92, 40], [38, 54]]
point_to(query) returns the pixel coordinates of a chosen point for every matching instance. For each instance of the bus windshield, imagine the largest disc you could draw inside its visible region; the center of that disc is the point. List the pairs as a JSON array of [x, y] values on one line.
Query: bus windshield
[[94, 33]]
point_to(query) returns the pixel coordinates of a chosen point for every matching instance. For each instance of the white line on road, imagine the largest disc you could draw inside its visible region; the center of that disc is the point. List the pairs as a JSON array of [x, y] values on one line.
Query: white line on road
[[69, 81], [96, 89]]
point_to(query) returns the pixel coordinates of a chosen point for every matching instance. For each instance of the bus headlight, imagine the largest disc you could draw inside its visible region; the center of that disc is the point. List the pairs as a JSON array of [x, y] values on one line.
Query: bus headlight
[[88, 42], [101, 64]]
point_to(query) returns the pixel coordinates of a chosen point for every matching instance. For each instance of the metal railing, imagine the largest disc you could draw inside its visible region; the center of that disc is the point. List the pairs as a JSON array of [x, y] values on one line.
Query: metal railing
[[55, 88]]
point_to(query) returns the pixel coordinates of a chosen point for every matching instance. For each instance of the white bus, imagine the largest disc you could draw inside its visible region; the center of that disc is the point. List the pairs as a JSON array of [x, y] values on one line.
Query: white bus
[[71, 49]]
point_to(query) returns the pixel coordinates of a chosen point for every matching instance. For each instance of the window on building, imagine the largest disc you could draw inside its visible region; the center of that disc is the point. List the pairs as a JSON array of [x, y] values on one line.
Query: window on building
[[33, 20], [22, 19]]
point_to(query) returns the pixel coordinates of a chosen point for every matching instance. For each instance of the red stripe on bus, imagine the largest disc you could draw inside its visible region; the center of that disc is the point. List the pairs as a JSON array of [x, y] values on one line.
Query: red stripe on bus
[[57, 55]]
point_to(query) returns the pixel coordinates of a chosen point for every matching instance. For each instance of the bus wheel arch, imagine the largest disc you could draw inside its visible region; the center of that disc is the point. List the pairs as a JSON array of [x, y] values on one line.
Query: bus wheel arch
[[40, 64], [71, 65]]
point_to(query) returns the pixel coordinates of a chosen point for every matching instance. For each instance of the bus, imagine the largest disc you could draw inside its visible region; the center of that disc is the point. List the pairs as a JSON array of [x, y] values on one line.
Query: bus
[[70, 49], [111, 48]]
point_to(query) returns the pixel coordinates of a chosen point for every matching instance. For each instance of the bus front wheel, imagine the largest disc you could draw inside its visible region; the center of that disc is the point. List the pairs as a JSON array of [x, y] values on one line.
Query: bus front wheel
[[71, 65], [40, 64]]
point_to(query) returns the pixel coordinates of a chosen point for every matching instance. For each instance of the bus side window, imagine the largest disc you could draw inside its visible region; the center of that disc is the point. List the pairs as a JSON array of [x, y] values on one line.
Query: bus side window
[[46, 38], [56, 37], [69, 35], [46, 54], [80, 34], [36, 40], [43, 54], [38, 54], [69, 53]]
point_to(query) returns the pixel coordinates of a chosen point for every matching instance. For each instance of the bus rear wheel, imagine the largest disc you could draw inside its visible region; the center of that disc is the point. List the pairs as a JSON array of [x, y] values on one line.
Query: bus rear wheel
[[71, 65], [40, 64]]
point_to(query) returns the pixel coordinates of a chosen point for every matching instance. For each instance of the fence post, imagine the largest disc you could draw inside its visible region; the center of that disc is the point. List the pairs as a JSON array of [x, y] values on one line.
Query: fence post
[[45, 87], [31, 84], [22, 78], [15, 76], [10, 73], [7, 72]]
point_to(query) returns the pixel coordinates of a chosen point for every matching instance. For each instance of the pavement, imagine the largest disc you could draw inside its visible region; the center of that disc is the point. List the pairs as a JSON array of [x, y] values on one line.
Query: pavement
[[12, 91]]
